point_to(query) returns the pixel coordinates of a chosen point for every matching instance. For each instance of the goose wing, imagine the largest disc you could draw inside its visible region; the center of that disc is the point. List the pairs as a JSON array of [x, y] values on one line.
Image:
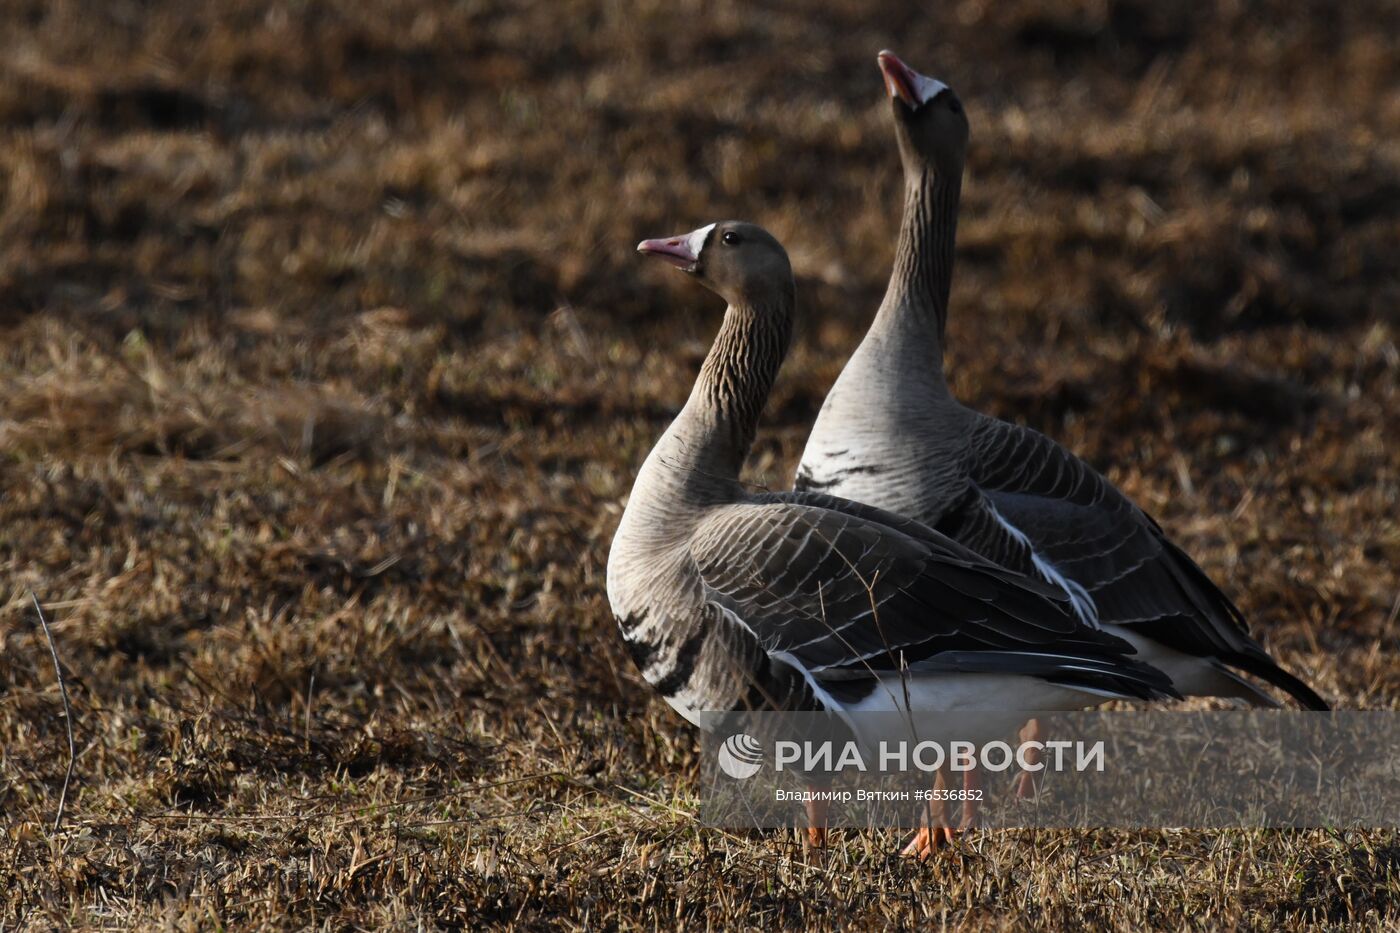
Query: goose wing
[[1091, 532], [1081, 523], [842, 587]]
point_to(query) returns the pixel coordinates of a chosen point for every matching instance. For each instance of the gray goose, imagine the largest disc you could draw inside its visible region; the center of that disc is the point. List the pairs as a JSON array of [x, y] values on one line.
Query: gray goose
[[733, 599], [890, 434]]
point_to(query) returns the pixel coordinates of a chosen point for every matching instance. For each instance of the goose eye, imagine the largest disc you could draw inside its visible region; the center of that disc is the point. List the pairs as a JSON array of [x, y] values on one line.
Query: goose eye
[[730, 238], [954, 106]]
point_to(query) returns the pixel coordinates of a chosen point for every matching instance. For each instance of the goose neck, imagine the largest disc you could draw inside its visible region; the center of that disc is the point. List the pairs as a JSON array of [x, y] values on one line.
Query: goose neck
[[698, 459], [736, 379], [923, 267]]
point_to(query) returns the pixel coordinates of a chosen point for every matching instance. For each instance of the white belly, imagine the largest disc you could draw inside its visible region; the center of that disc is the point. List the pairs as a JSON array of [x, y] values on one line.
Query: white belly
[[974, 707]]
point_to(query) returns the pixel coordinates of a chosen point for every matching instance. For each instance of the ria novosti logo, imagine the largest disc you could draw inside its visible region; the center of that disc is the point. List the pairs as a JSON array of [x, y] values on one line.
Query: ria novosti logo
[[740, 756]]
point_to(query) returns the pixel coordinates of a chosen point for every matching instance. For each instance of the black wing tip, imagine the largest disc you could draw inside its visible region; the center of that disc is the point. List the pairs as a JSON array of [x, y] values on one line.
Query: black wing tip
[[1115, 676], [1133, 680], [1252, 659], [1268, 670], [1156, 681], [1159, 685]]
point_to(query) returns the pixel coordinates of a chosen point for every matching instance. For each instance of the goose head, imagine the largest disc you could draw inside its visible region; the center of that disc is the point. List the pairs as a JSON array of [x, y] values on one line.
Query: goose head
[[741, 262], [930, 123]]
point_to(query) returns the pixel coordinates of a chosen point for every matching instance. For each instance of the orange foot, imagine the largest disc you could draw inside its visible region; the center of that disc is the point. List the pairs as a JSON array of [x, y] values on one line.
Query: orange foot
[[937, 830], [927, 841]]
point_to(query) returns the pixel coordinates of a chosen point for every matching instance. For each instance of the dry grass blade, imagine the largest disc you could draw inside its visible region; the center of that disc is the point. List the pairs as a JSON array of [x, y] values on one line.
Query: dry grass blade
[[67, 713]]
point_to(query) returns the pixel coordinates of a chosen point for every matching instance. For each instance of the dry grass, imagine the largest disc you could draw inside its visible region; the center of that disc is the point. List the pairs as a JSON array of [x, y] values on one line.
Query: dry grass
[[327, 364]]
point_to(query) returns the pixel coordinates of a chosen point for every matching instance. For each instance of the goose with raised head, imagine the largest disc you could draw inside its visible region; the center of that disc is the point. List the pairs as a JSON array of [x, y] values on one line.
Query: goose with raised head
[[891, 435], [733, 599]]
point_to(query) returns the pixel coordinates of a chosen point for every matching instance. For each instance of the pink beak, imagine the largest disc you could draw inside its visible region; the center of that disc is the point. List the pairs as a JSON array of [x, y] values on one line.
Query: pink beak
[[908, 85], [899, 78], [673, 249], [682, 251]]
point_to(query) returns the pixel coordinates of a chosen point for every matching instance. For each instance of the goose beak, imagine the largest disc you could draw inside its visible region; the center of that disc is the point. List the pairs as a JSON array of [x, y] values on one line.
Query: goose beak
[[674, 249], [899, 77], [682, 251], [904, 82]]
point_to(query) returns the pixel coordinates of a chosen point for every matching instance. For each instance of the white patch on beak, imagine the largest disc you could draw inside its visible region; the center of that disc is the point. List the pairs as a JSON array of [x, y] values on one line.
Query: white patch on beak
[[683, 251], [926, 88], [695, 239]]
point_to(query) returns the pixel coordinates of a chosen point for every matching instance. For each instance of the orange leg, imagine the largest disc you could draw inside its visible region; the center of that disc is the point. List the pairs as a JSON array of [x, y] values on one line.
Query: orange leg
[[816, 818], [1025, 785], [937, 830]]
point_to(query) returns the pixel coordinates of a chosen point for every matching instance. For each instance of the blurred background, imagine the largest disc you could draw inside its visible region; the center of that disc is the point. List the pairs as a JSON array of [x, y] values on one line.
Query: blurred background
[[326, 364]]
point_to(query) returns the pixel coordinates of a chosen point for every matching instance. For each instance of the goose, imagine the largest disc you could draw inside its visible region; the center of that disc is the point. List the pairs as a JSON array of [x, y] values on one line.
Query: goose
[[730, 598], [891, 435]]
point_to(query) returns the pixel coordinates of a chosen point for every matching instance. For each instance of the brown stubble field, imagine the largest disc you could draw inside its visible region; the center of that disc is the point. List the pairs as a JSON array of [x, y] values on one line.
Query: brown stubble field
[[327, 362]]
